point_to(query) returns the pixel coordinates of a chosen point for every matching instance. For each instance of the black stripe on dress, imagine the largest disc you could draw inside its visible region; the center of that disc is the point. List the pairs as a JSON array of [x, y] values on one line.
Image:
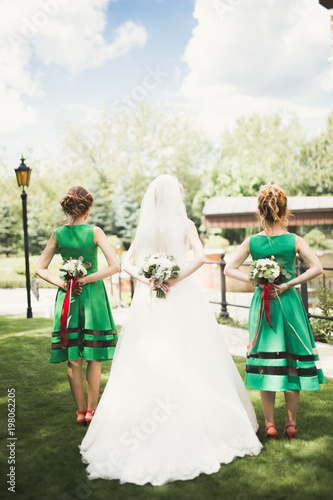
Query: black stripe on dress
[[282, 370], [57, 346], [86, 332], [281, 355]]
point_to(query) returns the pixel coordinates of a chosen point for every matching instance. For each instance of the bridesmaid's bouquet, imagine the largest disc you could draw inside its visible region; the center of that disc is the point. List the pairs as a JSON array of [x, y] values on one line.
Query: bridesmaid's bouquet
[[73, 268], [159, 267], [267, 270]]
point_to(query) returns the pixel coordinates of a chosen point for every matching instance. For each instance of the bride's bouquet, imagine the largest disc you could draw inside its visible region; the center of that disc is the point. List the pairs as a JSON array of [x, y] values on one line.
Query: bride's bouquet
[[159, 267]]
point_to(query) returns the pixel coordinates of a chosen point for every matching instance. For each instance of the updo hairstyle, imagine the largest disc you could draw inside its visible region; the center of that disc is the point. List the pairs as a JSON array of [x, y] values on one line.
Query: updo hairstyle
[[272, 206], [76, 202]]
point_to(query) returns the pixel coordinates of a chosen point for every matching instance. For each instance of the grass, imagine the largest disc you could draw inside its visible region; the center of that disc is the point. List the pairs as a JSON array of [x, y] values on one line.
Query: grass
[[232, 322], [48, 463], [12, 270]]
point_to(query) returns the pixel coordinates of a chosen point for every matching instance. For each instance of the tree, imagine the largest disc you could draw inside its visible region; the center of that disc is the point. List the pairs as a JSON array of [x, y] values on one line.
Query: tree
[[260, 150], [38, 233], [102, 212], [317, 159], [10, 234], [136, 146], [126, 211]]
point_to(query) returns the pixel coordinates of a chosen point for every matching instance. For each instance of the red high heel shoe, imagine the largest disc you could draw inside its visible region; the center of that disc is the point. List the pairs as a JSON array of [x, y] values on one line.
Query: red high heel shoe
[[89, 416], [290, 435], [271, 435], [80, 417]]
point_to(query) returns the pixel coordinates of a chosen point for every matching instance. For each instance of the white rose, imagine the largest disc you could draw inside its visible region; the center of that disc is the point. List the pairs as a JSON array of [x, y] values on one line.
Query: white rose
[[153, 259], [159, 274], [163, 262], [82, 271], [71, 267]]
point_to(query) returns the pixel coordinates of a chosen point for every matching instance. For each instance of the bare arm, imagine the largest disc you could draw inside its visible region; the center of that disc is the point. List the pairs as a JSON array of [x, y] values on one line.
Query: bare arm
[[231, 268], [199, 257], [315, 267], [130, 267], [111, 259], [44, 262]]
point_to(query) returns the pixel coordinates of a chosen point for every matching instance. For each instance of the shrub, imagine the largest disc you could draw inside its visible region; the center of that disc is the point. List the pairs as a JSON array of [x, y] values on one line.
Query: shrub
[[323, 328], [20, 269], [216, 242], [316, 239]]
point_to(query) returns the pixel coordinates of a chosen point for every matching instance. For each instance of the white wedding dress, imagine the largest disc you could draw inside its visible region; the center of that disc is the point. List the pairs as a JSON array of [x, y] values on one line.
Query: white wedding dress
[[175, 405]]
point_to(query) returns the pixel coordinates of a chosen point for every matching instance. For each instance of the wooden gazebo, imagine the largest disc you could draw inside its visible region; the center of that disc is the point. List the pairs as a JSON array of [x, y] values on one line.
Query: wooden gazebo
[[237, 212]]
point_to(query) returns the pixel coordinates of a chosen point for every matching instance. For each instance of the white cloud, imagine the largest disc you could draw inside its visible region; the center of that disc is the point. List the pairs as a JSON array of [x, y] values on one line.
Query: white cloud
[[255, 56], [67, 33]]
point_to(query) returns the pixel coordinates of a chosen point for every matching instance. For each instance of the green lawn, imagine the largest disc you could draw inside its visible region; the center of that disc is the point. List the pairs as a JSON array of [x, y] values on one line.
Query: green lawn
[[12, 269], [48, 463]]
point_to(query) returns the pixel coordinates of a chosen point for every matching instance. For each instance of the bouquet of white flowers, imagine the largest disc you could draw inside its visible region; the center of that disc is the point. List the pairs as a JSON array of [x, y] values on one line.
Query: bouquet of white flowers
[[159, 267], [73, 268], [266, 272]]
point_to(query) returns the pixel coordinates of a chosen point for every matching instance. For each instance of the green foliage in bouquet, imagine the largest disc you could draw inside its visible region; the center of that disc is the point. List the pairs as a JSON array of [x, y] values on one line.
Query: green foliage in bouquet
[[74, 268], [267, 269]]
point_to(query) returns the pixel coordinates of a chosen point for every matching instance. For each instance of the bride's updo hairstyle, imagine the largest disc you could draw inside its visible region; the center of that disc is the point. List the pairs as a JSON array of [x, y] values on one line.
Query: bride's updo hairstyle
[[272, 206], [76, 202]]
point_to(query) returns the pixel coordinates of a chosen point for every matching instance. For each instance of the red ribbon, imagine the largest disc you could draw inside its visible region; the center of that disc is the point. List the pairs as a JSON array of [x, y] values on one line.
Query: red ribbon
[[266, 301], [64, 312]]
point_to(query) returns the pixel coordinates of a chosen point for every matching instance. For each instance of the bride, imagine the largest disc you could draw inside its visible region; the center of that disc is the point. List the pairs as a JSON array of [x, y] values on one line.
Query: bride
[[175, 405]]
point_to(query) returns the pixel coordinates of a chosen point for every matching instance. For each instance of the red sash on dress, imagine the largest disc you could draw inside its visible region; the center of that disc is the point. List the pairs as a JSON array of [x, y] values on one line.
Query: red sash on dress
[[65, 310], [266, 301]]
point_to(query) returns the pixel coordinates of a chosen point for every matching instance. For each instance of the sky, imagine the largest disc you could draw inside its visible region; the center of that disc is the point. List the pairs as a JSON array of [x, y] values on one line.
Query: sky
[[214, 59]]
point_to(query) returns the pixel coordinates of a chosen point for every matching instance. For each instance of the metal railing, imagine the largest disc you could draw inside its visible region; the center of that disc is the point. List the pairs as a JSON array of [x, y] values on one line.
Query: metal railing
[[301, 267]]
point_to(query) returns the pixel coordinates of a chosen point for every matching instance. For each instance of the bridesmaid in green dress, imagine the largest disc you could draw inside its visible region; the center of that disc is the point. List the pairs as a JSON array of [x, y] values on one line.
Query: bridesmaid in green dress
[[283, 358], [91, 333]]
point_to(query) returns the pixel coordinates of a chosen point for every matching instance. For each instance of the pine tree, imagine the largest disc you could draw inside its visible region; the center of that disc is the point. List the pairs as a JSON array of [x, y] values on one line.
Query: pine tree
[[10, 232], [101, 212], [126, 211], [38, 233]]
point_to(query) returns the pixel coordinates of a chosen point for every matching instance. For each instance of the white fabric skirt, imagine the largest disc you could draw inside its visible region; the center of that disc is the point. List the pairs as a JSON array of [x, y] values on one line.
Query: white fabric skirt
[[175, 405]]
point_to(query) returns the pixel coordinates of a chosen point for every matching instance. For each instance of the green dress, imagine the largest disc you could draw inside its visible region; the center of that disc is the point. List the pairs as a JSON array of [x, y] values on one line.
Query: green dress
[[279, 360], [91, 330]]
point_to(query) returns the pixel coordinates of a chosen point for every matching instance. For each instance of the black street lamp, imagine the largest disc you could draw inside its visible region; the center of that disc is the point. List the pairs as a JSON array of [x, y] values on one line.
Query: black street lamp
[[23, 178]]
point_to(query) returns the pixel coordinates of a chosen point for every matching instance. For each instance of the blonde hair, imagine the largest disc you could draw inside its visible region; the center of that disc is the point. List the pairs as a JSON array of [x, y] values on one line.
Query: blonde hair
[[272, 206]]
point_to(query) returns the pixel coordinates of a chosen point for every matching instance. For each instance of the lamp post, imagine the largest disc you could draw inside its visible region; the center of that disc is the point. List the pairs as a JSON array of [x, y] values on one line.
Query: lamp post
[[23, 178]]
